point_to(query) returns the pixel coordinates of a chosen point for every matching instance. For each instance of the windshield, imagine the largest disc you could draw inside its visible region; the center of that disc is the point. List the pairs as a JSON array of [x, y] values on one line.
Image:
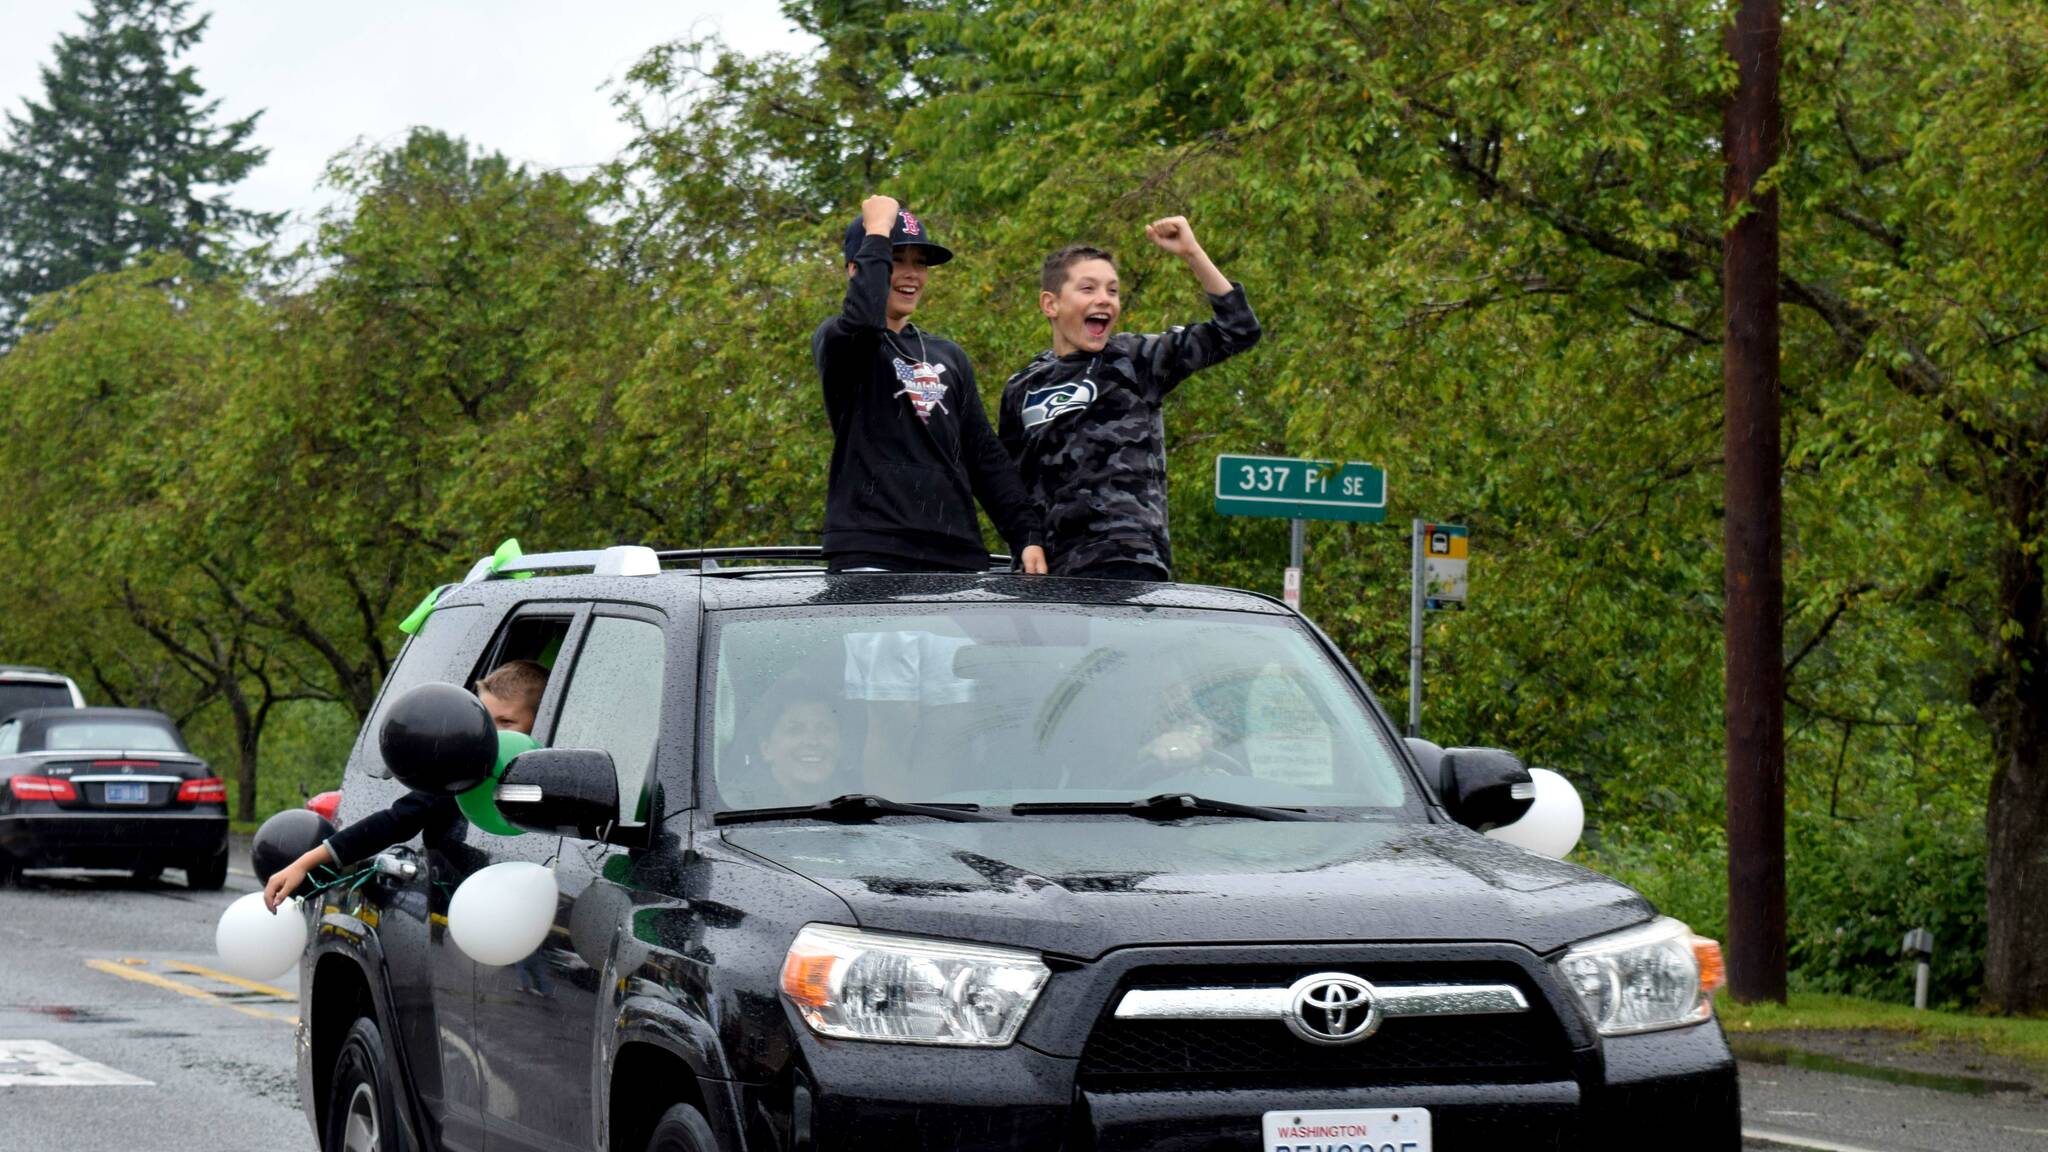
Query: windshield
[[109, 736], [1006, 705], [21, 695]]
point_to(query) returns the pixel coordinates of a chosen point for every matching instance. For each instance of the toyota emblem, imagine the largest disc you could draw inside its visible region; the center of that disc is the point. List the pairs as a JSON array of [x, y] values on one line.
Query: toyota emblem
[[1332, 1008]]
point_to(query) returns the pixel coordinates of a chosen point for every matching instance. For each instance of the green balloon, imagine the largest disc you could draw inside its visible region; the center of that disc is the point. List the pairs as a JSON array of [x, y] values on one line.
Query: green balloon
[[480, 803]]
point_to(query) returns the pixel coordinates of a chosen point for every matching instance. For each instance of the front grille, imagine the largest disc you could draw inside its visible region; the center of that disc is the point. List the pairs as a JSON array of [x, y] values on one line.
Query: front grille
[[1524, 1047]]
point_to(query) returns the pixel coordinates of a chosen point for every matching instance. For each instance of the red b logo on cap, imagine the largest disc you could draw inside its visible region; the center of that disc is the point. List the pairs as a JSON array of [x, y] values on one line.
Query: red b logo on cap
[[909, 224]]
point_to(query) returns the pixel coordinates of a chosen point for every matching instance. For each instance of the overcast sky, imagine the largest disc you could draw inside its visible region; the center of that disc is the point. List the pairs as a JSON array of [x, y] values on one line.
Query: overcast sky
[[523, 77]]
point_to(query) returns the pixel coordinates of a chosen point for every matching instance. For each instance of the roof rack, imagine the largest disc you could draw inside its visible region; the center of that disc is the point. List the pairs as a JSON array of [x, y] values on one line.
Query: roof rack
[[640, 560], [712, 559], [619, 560], [718, 560]]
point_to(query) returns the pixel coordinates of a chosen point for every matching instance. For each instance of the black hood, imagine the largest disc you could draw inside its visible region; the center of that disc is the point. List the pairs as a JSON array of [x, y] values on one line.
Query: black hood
[[1080, 887]]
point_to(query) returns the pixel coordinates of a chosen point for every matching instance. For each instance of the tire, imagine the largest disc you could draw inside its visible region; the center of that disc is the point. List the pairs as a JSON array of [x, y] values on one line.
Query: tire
[[10, 870], [682, 1129], [207, 873], [362, 1113]]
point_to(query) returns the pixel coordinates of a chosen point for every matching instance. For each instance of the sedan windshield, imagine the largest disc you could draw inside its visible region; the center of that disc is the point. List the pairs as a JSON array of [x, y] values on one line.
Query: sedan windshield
[[108, 736], [998, 706]]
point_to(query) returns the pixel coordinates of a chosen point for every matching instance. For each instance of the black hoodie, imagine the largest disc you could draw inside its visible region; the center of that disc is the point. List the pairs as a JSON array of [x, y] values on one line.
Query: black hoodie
[[911, 447]]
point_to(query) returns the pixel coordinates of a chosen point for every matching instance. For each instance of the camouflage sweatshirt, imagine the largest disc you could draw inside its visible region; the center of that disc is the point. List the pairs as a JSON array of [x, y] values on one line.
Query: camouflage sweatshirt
[[1088, 436]]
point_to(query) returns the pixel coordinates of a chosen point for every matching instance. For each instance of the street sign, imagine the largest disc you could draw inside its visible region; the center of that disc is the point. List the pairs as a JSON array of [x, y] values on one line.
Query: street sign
[[1443, 558], [1300, 489]]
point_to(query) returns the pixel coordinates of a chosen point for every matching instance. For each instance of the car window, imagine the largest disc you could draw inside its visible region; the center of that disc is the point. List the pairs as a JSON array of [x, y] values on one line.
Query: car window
[[614, 701], [1002, 705], [21, 695], [443, 649], [109, 736], [10, 738]]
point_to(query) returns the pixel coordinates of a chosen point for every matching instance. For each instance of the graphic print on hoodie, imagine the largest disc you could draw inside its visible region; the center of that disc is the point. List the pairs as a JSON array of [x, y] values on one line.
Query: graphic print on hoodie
[[912, 451], [1087, 432]]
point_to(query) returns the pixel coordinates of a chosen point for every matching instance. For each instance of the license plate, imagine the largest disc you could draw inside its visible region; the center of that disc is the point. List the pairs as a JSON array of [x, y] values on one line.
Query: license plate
[[127, 793], [1349, 1130]]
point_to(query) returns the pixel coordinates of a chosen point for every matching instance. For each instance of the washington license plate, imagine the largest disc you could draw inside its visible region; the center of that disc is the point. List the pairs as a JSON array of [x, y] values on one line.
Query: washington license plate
[[1349, 1130], [127, 793]]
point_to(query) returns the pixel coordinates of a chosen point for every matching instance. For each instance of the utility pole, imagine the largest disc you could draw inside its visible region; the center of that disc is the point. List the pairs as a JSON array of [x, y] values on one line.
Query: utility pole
[[1753, 562]]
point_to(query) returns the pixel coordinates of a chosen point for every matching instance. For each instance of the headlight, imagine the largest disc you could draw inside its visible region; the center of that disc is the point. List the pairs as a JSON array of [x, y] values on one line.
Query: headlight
[[1657, 976], [858, 985]]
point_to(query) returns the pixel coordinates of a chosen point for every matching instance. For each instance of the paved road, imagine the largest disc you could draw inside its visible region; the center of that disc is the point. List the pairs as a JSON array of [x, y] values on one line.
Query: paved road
[[115, 1033], [1806, 1108]]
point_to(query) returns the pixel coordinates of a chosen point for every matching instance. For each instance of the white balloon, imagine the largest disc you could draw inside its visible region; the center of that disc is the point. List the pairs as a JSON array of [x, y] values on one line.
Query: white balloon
[[501, 914], [256, 944], [1552, 825]]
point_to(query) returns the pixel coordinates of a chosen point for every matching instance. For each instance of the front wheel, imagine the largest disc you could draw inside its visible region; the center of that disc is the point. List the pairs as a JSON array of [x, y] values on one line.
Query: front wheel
[[682, 1129], [208, 873], [362, 1115]]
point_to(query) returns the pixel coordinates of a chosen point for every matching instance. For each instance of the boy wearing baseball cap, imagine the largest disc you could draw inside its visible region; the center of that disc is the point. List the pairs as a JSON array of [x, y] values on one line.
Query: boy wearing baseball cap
[[1083, 419], [912, 451]]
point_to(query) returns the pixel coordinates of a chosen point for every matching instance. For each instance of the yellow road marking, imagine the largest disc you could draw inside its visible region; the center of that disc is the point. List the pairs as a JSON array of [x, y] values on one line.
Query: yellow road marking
[[237, 981], [181, 988]]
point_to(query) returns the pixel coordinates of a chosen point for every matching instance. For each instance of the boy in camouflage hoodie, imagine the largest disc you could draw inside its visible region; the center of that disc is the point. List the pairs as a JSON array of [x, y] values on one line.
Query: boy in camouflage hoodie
[[1083, 420]]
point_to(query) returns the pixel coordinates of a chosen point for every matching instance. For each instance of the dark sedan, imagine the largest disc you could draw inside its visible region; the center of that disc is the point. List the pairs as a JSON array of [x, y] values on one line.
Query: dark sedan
[[109, 788]]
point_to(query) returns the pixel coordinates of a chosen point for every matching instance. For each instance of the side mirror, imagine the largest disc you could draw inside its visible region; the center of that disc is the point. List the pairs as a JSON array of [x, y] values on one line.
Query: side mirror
[[1485, 787], [439, 738], [568, 791]]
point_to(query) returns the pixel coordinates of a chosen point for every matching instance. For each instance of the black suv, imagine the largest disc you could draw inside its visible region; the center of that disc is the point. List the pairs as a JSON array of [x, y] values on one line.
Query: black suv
[[984, 861]]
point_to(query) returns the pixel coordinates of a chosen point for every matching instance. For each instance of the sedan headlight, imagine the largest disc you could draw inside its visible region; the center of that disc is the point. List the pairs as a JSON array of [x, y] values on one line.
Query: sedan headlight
[[857, 985], [1657, 976]]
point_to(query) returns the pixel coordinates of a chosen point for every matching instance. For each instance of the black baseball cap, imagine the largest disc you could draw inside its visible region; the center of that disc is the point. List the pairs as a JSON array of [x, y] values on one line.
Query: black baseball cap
[[909, 232]]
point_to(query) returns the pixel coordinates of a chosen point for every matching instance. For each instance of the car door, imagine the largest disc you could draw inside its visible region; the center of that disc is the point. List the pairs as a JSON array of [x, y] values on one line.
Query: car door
[[432, 984], [538, 1021]]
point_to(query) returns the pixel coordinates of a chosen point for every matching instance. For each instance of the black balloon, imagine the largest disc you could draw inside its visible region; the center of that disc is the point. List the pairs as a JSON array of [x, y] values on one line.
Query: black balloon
[[439, 738], [284, 838]]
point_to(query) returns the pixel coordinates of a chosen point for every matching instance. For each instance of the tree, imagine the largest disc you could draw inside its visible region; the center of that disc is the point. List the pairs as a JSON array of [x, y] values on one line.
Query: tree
[[1497, 230], [121, 157]]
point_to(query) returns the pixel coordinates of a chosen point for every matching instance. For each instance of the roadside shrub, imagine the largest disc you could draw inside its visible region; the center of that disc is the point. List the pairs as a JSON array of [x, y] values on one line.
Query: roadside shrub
[[1854, 888]]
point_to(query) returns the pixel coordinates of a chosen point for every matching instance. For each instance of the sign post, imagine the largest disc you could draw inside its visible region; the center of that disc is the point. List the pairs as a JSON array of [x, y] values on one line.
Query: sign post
[[1297, 540], [1415, 578], [1300, 491], [1436, 581]]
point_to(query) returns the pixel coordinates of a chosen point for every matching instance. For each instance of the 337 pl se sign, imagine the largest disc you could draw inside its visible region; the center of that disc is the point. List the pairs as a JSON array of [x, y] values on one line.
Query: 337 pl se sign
[[1300, 489]]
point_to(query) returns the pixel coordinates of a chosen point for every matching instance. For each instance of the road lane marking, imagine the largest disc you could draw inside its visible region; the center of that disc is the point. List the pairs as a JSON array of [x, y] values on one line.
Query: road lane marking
[[182, 989], [41, 1064], [1809, 1143], [237, 981]]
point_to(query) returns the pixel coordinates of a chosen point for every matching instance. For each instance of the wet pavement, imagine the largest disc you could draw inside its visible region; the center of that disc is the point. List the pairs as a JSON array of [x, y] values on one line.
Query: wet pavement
[[117, 1029], [1883, 1093]]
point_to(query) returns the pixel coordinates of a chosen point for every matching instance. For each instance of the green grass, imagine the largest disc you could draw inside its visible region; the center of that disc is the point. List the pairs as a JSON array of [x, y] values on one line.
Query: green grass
[[2020, 1038]]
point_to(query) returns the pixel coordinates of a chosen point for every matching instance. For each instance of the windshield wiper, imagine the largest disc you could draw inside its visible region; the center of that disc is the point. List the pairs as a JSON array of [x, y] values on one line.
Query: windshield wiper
[[858, 806], [1165, 806]]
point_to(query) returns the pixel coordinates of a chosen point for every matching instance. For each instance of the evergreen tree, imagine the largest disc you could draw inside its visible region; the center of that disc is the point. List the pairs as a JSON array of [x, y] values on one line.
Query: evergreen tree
[[121, 157]]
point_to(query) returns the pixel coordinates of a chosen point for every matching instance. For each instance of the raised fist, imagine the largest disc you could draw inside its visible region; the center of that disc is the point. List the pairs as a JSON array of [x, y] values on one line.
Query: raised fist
[[1173, 234], [878, 215]]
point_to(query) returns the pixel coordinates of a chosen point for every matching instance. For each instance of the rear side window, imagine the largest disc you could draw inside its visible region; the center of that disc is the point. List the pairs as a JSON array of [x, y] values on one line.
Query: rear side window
[[109, 736], [614, 701], [443, 650], [21, 695]]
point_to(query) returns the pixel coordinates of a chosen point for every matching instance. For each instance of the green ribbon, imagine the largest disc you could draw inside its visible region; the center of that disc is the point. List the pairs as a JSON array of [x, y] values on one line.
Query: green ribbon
[[417, 618]]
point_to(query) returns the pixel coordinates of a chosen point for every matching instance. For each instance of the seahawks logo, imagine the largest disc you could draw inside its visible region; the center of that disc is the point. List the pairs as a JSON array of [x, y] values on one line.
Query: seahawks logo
[[1054, 401]]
